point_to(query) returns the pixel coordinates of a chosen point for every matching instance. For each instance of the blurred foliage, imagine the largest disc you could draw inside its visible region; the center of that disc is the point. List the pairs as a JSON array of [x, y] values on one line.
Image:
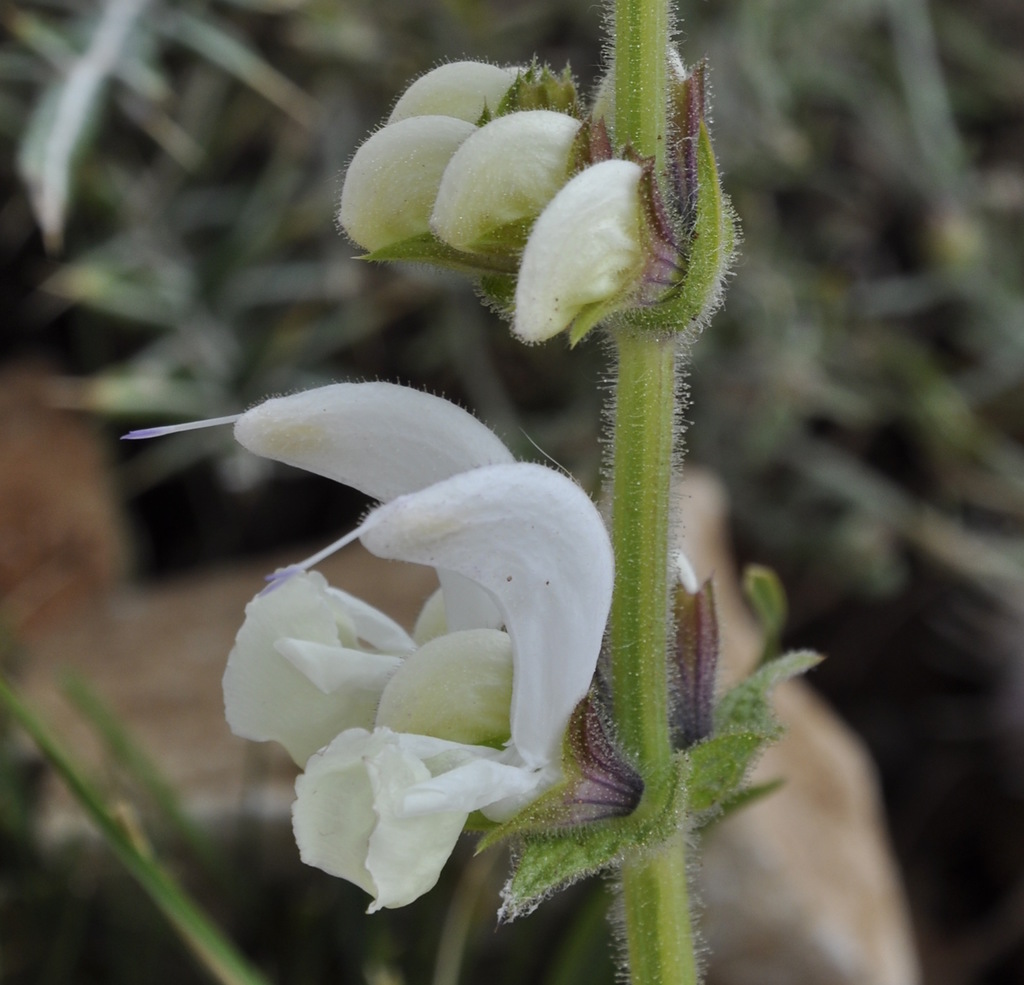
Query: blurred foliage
[[861, 392]]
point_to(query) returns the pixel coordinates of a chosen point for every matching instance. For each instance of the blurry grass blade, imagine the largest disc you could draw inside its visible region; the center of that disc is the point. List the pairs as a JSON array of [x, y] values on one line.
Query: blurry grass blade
[[134, 394], [924, 88], [216, 45], [125, 750], [39, 37], [153, 295], [464, 908], [582, 956], [164, 131], [217, 954], [60, 126]]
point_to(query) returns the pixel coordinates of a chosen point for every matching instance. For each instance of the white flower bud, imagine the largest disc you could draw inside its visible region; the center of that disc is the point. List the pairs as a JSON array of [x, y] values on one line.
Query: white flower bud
[[459, 89], [392, 182], [505, 173], [584, 252]]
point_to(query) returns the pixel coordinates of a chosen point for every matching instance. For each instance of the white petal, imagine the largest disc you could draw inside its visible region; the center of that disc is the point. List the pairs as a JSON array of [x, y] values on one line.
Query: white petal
[[371, 625], [430, 623], [333, 669], [504, 173], [379, 438], [268, 696], [477, 784], [384, 440], [460, 89], [533, 539], [457, 686], [584, 249], [346, 818], [392, 182]]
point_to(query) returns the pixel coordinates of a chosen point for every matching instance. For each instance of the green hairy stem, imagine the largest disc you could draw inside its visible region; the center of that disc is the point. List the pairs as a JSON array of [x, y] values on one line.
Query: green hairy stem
[[656, 906]]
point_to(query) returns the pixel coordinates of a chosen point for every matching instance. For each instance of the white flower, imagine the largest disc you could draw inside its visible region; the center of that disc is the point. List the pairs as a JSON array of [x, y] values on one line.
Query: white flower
[[392, 182], [505, 173], [459, 89], [471, 720], [309, 661], [584, 254]]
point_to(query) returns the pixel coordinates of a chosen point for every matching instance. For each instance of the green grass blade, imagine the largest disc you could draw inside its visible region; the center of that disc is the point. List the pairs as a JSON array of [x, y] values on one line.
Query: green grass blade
[[124, 749], [63, 119], [214, 951]]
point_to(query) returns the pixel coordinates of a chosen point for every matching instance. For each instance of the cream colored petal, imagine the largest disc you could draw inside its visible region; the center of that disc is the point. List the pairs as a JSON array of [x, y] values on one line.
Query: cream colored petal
[[478, 784], [370, 624], [345, 819], [392, 182], [431, 622], [456, 687], [533, 539], [380, 438], [584, 250], [504, 173], [459, 89], [285, 673], [384, 440]]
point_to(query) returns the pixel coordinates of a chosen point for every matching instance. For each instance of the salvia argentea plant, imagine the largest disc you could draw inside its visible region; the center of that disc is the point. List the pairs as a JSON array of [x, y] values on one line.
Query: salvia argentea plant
[[558, 691]]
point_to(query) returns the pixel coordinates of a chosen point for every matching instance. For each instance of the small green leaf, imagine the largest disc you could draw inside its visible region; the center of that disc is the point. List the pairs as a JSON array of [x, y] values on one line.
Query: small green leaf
[[745, 707], [718, 767], [748, 795], [767, 597]]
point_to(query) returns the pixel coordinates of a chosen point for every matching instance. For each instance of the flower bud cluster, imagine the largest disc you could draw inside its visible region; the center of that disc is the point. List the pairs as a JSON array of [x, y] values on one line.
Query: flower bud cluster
[[499, 172]]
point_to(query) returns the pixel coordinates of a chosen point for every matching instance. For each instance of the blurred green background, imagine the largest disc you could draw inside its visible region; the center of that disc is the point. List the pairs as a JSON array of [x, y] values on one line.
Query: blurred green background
[[860, 394]]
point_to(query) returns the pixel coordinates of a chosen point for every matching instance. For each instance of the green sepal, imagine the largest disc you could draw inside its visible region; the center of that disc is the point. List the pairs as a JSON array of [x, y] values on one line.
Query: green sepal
[[505, 242], [763, 590], [499, 292], [552, 860], [427, 248], [539, 88], [712, 244], [745, 707], [589, 318]]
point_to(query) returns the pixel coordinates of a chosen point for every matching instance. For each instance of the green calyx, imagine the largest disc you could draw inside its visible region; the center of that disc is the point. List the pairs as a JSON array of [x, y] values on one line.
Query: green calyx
[[540, 88], [427, 248], [562, 837]]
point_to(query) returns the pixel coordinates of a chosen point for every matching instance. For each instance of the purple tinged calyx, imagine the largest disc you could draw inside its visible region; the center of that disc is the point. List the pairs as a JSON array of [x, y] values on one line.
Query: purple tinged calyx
[[694, 665], [604, 783]]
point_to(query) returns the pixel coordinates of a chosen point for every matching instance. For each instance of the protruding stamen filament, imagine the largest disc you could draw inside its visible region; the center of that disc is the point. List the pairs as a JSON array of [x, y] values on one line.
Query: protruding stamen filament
[[159, 432], [283, 574]]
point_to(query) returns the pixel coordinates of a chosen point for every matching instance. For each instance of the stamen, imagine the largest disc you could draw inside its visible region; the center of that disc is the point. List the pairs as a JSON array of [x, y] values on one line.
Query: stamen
[[280, 576], [159, 432]]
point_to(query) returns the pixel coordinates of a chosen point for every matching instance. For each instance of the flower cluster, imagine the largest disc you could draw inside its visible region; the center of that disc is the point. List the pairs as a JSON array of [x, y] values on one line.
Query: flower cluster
[[499, 172], [402, 736]]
